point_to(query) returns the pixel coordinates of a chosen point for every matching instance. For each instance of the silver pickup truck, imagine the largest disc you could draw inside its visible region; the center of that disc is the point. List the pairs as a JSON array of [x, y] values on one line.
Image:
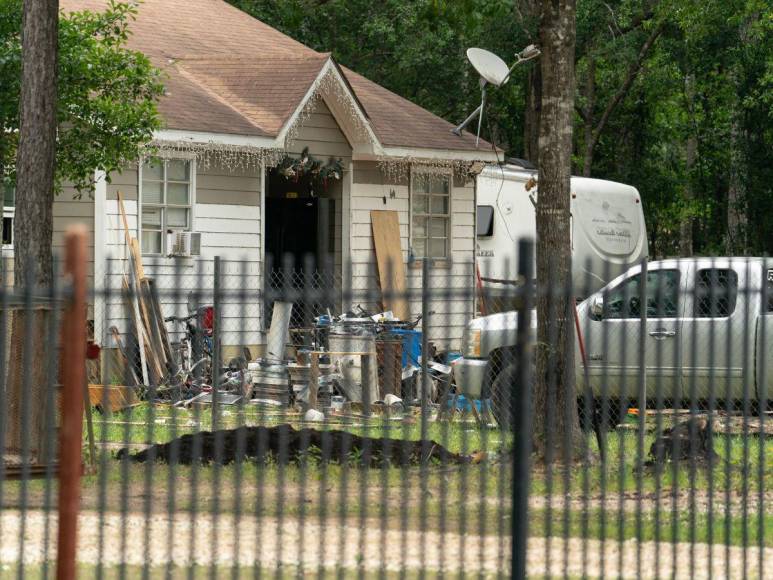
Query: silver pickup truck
[[707, 333]]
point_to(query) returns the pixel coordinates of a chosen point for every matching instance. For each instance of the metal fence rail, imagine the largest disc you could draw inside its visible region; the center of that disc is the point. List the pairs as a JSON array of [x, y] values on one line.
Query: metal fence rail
[[361, 444]]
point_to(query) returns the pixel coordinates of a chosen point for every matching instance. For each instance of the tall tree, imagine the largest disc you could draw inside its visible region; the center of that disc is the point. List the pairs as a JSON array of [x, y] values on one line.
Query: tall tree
[[36, 156], [557, 429], [75, 101], [33, 220]]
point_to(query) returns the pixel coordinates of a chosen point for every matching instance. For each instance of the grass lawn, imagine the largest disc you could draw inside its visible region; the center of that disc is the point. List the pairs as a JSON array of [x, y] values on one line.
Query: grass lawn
[[614, 500]]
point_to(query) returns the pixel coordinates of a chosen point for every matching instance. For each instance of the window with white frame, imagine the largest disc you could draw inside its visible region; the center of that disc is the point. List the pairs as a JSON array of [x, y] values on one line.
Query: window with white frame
[[430, 215], [9, 205], [165, 201]]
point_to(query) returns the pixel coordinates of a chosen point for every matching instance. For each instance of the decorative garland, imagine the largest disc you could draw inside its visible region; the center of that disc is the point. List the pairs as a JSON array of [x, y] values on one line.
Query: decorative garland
[[210, 153], [398, 169], [307, 167]]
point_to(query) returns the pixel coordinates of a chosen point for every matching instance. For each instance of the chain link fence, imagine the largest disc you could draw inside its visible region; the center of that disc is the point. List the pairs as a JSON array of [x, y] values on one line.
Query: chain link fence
[[627, 440]]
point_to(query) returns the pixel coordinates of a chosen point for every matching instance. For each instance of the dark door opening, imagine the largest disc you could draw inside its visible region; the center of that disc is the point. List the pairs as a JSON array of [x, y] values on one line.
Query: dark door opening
[[291, 232], [299, 245]]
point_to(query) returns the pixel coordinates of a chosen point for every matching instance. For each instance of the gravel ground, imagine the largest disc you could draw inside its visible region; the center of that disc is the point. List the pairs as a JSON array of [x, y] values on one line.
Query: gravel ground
[[271, 542]]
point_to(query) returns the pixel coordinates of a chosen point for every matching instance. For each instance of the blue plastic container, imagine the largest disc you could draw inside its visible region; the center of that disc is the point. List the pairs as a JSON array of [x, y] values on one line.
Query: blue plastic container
[[411, 345]]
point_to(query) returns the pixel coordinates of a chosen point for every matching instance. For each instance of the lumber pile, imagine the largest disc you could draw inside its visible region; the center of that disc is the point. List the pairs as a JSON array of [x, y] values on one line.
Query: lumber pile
[[148, 331]]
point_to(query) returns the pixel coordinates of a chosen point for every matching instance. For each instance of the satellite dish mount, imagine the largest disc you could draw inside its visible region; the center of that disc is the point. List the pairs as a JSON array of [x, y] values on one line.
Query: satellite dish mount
[[493, 71]]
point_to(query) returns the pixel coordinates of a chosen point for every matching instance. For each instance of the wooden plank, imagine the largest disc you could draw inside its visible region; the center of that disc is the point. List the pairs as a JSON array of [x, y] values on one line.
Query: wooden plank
[[125, 354], [115, 397], [159, 316], [135, 294], [391, 268]]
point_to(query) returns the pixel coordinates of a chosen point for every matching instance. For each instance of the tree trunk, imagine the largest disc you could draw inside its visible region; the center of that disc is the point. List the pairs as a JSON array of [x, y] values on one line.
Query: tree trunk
[[691, 153], [736, 240], [590, 96], [532, 115], [33, 221], [557, 428], [530, 12]]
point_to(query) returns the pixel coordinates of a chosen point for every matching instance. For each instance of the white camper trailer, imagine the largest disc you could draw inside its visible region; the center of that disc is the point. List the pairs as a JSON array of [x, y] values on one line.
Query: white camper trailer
[[608, 233]]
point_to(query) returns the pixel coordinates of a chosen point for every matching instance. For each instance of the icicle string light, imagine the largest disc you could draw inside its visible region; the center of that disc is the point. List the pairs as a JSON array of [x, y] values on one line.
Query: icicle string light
[[233, 157], [399, 168]]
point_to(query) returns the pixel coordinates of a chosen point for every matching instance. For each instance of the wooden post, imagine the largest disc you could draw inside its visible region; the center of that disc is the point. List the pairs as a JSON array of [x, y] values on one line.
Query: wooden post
[[313, 379], [73, 377], [366, 360]]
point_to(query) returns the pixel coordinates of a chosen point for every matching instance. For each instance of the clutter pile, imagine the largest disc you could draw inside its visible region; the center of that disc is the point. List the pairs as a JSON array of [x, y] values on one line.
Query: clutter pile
[[354, 363]]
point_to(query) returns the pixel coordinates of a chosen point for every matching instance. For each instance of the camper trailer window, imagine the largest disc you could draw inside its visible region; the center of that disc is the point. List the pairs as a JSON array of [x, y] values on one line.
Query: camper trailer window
[[485, 217], [430, 215], [165, 201]]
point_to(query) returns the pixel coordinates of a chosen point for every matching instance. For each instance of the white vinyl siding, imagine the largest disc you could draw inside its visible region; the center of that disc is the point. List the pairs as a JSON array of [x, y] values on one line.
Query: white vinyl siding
[[227, 214], [452, 279]]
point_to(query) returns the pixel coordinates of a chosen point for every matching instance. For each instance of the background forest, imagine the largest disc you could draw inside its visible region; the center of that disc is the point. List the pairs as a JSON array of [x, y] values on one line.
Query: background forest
[[673, 96]]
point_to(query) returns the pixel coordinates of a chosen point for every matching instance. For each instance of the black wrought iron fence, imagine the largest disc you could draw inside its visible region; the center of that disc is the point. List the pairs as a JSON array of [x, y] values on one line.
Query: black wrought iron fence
[[627, 439]]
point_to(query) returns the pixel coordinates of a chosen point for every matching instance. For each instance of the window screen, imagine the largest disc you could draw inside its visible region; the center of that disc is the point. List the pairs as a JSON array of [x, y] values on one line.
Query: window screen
[[625, 300], [716, 290]]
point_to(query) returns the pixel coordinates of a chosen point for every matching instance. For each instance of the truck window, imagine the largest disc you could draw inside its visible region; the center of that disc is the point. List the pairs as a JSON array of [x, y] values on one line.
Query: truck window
[[716, 291], [485, 217], [624, 301]]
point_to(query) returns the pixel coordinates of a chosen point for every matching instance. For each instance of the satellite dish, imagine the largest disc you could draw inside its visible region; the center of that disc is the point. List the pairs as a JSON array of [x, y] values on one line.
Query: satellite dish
[[489, 66], [493, 71]]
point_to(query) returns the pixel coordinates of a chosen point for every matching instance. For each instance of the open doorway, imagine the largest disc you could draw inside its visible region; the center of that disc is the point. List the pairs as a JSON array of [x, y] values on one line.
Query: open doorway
[[301, 242]]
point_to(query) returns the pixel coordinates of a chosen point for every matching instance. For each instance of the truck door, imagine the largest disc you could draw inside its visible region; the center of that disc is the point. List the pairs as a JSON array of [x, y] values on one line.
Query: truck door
[[717, 334], [614, 340]]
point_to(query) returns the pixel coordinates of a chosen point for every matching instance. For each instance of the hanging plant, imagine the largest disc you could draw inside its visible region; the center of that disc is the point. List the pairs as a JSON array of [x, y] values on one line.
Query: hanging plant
[[307, 167]]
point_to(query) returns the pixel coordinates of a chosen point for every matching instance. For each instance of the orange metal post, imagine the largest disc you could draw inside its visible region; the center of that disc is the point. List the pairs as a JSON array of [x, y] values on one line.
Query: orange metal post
[[73, 377]]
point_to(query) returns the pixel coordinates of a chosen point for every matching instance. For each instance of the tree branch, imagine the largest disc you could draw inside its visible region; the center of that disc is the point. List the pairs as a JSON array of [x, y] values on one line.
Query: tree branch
[[626, 86]]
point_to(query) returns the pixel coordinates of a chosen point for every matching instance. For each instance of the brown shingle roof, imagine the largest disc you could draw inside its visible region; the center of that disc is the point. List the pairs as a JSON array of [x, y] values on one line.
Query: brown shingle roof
[[230, 73]]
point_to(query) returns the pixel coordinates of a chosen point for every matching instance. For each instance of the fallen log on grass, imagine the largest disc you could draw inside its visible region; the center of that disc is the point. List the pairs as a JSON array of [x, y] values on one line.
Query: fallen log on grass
[[285, 444]]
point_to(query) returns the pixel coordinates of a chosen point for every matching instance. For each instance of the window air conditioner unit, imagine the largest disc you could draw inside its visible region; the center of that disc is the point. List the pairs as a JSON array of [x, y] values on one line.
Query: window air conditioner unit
[[183, 244]]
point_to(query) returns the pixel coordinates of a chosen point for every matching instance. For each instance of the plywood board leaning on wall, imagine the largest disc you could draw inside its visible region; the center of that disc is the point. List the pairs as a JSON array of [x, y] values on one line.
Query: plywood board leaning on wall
[[391, 269]]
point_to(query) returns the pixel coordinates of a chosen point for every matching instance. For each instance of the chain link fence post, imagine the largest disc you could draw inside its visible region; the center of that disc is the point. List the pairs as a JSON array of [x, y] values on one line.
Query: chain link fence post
[[521, 403]]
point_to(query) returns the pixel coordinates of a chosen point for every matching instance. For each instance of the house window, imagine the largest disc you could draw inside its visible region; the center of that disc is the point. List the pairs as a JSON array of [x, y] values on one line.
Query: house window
[[9, 204], [165, 201], [430, 215]]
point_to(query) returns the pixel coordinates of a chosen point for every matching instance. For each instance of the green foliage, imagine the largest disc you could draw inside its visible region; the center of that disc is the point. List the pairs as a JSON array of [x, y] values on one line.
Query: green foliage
[[107, 93], [416, 48]]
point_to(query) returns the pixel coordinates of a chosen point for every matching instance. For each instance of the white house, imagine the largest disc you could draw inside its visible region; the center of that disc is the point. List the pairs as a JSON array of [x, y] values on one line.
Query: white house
[[241, 97]]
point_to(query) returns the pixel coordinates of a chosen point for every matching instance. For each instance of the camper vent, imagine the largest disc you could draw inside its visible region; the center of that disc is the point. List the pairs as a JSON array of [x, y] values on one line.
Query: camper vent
[[182, 243]]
